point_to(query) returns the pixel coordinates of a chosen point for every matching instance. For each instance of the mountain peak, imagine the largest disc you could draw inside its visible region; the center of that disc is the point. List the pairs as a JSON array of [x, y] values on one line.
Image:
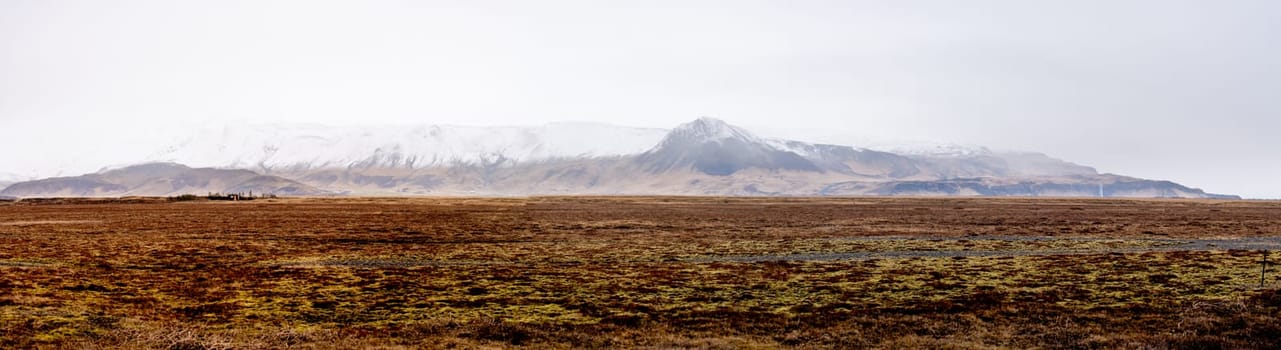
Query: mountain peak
[[709, 121], [714, 147], [711, 129]]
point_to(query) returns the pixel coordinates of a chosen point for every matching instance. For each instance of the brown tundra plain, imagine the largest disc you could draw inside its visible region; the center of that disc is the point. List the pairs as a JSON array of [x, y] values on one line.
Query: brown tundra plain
[[638, 272]]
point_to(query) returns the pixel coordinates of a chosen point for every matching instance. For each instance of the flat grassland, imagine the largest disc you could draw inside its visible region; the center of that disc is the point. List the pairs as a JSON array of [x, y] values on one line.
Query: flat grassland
[[649, 272]]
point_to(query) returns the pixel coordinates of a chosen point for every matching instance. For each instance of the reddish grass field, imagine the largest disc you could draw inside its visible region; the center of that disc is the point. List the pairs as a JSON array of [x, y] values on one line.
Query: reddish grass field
[[638, 272]]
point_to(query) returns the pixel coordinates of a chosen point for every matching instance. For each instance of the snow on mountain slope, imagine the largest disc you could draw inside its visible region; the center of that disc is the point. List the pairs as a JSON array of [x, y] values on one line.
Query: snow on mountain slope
[[707, 144], [929, 149], [711, 130], [714, 147], [296, 147], [706, 156], [268, 147]]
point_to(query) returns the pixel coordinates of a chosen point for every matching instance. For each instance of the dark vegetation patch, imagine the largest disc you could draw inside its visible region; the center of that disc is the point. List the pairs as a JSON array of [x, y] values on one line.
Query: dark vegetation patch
[[636, 272]]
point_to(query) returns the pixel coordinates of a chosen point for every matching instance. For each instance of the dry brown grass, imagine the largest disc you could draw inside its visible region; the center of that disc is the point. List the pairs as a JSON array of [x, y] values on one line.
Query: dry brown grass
[[638, 272]]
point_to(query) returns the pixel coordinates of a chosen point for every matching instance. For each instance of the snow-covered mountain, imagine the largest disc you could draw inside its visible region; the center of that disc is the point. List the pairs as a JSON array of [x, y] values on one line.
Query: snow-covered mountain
[[273, 148], [703, 157], [714, 147], [276, 147]]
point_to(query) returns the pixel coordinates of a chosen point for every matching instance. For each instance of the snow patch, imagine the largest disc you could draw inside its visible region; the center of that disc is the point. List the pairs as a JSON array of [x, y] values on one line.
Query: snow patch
[[931, 149]]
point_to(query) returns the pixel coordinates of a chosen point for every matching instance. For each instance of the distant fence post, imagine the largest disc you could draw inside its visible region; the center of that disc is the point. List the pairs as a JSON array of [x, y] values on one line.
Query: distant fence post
[[1263, 274]]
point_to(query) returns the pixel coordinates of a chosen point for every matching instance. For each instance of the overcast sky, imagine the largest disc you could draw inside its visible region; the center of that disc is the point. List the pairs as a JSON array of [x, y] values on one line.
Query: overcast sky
[[1188, 91]]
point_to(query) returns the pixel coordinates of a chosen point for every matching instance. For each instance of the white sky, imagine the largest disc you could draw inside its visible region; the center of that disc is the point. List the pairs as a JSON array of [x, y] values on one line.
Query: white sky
[[1188, 91]]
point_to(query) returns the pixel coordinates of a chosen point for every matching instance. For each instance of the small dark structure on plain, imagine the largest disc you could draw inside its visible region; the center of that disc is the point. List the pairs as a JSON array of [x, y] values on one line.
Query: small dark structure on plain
[[222, 197], [238, 196]]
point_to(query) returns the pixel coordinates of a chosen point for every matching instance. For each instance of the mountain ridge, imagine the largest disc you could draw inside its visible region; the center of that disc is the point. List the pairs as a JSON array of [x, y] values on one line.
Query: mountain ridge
[[706, 156], [294, 147], [158, 179]]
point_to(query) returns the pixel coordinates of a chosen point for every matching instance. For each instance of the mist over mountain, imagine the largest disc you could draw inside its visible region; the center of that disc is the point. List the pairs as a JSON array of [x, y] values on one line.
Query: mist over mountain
[[159, 179], [703, 157], [280, 147], [7, 179]]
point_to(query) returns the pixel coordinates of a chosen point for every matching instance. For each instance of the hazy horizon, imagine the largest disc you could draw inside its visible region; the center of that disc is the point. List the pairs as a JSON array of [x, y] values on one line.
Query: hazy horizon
[[1185, 91]]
